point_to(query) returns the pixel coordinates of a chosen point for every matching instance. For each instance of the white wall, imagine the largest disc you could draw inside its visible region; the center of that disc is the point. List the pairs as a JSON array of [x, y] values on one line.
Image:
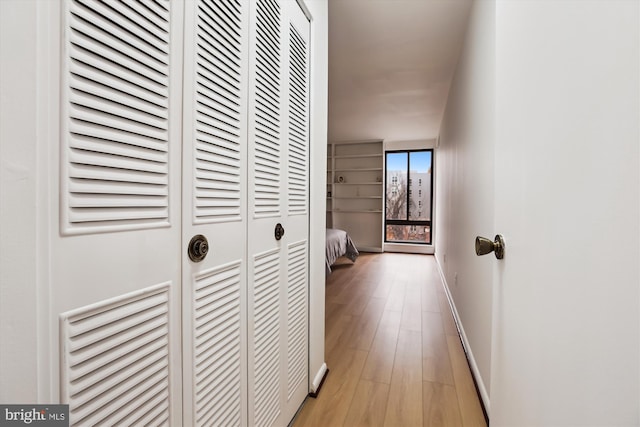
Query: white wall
[[318, 181], [465, 186], [19, 236], [566, 341]]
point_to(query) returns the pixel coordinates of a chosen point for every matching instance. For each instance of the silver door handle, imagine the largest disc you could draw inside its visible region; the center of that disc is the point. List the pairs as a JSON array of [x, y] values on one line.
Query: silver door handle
[[485, 246]]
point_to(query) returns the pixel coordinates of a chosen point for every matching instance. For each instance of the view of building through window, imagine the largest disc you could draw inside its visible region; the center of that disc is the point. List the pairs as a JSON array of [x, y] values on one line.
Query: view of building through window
[[408, 196]]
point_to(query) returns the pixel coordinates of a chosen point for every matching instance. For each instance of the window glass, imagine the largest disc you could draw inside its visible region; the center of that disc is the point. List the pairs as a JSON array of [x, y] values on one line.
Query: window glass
[[408, 212], [396, 192]]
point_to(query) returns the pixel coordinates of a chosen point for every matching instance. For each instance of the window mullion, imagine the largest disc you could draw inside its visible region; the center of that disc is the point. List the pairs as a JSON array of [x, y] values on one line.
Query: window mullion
[[408, 183]]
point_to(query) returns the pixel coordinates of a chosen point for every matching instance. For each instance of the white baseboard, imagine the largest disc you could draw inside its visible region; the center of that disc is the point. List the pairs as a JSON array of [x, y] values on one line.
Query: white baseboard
[[465, 343], [317, 380], [409, 248], [373, 249]]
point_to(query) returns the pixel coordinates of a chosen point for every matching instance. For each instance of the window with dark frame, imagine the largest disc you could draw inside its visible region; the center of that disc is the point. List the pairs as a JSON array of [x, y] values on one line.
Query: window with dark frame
[[408, 213]]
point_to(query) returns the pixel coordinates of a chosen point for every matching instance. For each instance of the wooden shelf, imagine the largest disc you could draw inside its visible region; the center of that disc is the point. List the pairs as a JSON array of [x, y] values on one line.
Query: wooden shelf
[[358, 170], [356, 211], [359, 197], [357, 156], [360, 164], [357, 183]]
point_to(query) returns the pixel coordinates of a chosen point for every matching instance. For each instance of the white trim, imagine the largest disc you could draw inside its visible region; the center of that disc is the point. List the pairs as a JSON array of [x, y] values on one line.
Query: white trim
[[475, 371], [373, 249], [48, 80], [418, 144], [409, 248], [305, 9], [357, 141], [317, 380], [318, 89]]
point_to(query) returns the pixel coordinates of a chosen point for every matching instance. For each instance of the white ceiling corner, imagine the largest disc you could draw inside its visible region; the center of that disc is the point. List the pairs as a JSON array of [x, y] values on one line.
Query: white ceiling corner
[[390, 66]]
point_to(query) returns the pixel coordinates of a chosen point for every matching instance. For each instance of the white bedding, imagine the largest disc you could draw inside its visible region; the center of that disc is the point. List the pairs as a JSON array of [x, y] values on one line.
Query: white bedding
[[338, 244]]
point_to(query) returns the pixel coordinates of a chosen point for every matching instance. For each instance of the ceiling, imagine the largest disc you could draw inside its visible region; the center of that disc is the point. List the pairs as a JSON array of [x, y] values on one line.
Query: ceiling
[[390, 66]]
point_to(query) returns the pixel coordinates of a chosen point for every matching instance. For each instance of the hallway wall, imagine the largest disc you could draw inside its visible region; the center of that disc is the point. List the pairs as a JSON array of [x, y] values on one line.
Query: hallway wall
[[465, 186]]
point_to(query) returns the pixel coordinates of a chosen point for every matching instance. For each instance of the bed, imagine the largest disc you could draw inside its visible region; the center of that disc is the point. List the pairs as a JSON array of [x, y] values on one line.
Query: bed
[[339, 244]]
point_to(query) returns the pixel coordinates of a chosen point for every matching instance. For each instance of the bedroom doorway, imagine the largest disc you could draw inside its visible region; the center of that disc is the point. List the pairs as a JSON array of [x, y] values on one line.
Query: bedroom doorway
[[408, 196]]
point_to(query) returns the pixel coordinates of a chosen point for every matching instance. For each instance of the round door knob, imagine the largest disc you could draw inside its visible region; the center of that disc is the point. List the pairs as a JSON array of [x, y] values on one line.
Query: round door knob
[[198, 248], [485, 246], [279, 231]]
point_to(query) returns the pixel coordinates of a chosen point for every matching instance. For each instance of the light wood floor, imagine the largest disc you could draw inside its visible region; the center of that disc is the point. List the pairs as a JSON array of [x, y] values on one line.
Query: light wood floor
[[392, 348]]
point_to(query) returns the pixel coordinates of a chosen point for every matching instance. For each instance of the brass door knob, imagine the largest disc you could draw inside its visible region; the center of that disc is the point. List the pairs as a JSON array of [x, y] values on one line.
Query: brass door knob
[[198, 248], [485, 246]]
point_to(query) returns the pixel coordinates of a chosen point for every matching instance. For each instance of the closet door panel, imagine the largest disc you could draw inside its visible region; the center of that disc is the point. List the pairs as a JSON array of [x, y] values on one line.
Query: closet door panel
[[278, 194], [267, 201], [113, 301], [214, 206], [296, 292]]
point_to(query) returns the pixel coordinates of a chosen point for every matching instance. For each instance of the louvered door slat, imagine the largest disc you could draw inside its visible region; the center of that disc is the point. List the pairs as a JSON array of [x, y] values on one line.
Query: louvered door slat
[[217, 344], [90, 84], [213, 70], [154, 21], [126, 27], [266, 318], [85, 185], [159, 15], [86, 62], [221, 35], [116, 173], [86, 156], [267, 104], [92, 142], [118, 51], [107, 176], [297, 307], [100, 104], [83, 128], [116, 358], [298, 149], [219, 103], [215, 105], [101, 116]]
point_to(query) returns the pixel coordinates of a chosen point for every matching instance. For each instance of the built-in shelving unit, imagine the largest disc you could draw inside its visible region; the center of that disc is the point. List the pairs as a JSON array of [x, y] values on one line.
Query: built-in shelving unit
[[355, 191]]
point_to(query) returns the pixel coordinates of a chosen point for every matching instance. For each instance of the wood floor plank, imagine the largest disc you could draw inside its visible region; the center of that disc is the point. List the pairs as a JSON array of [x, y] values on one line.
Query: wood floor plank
[[379, 364], [447, 317], [384, 286], [404, 407], [368, 405], [337, 333], [358, 303], [366, 325], [429, 300], [392, 348], [395, 300], [411, 308], [441, 407], [435, 352], [470, 408], [338, 390]]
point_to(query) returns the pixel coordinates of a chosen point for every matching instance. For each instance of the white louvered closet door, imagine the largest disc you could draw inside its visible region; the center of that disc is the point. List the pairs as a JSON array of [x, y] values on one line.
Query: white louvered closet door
[[215, 206], [278, 194], [116, 234], [181, 119]]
